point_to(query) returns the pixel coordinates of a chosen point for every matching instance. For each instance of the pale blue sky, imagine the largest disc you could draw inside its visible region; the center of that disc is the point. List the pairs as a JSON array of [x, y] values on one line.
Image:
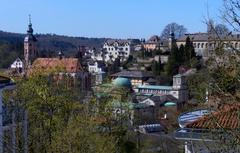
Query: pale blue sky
[[106, 18]]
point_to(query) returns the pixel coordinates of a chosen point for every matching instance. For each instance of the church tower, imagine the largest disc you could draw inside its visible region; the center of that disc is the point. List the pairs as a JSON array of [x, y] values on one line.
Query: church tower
[[30, 48], [171, 41]]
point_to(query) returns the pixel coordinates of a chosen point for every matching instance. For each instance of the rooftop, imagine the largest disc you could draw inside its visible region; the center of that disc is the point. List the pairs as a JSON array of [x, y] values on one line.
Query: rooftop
[[155, 87], [226, 118], [132, 74], [69, 65], [189, 117], [119, 41], [122, 82], [206, 37]]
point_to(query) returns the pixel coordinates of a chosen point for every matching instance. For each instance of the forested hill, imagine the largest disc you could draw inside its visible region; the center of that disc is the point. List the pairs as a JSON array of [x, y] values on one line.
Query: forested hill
[[11, 45]]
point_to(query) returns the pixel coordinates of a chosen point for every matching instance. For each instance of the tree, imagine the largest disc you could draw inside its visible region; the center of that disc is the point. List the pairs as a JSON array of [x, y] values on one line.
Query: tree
[[230, 13], [221, 29], [9, 52], [59, 122], [189, 52], [221, 76], [198, 84], [182, 54], [178, 30], [172, 65]]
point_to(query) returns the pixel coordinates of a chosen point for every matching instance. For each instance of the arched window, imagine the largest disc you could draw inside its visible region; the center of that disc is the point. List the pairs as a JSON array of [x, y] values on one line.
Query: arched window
[[198, 46]]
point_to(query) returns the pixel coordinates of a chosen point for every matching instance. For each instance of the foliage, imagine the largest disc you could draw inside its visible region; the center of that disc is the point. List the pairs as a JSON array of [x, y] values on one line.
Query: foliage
[[198, 84], [9, 52], [114, 67], [157, 67], [172, 65], [182, 56], [58, 122]]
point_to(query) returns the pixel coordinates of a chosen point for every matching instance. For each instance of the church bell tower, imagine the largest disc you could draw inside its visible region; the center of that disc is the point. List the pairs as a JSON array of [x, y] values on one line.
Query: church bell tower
[[30, 48]]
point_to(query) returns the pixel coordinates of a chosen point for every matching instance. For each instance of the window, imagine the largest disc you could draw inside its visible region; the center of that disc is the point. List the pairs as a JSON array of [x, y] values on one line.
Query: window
[[126, 49], [178, 80]]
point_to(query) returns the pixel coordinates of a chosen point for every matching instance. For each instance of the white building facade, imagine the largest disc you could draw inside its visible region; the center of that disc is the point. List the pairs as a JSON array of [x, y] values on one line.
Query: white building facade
[[117, 49], [97, 72]]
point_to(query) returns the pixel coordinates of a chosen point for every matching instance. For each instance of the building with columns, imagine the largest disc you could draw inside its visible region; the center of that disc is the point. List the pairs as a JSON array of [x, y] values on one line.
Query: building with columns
[[205, 43]]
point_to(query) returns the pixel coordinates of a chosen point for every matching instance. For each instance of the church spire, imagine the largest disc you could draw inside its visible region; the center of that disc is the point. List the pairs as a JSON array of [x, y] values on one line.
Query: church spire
[[30, 29], [30, 46]]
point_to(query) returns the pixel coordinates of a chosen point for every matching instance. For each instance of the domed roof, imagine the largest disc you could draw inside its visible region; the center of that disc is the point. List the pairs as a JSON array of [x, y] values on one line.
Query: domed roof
[[122, 82]]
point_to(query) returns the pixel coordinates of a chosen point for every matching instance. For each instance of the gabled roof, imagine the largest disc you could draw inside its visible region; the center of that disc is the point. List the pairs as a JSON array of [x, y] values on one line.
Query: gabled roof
[[160, 100], [119, 41], [194, 37], [227, 118], [155, 87], [151, 80], [163, 98], [154, 39], [205, 37], [69, 65], [132, 74]]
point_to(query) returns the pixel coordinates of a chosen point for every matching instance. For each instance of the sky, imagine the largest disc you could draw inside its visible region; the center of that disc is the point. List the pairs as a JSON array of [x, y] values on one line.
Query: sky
[[106, 18]]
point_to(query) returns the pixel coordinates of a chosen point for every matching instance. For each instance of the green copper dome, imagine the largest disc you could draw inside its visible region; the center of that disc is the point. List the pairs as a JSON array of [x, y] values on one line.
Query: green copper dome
[[122, 82]]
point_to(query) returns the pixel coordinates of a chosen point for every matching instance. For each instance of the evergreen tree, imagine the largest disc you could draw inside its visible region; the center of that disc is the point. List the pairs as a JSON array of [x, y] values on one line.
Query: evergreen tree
[[173, 61], [189, 51], [182, 54]]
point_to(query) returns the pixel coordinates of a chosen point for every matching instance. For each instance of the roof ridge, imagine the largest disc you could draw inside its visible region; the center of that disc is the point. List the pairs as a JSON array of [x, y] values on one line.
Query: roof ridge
[[223, 116]]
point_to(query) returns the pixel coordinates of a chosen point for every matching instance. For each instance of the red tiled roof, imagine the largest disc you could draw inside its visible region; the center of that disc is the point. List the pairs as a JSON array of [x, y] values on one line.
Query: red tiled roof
[[69, 65], [228, 117]]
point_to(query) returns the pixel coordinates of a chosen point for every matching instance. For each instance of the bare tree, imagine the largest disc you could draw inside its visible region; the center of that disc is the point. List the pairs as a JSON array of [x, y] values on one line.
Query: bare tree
[[231, 13], [221, 29], [178, 30]]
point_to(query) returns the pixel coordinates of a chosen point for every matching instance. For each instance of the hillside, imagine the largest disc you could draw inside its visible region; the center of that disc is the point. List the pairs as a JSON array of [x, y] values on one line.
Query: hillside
[[11, 45]]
